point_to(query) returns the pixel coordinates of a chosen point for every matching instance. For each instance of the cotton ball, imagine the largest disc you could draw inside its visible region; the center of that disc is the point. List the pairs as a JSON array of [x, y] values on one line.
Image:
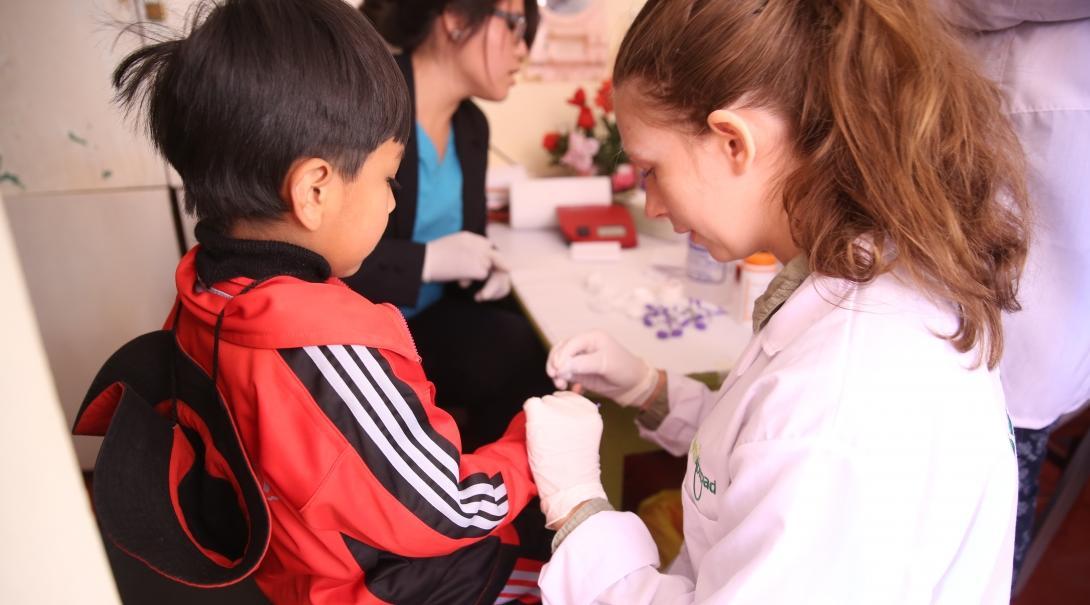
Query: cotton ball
[[594, 283], [672, 294], [634, 309], [635, 304], [605, 300]]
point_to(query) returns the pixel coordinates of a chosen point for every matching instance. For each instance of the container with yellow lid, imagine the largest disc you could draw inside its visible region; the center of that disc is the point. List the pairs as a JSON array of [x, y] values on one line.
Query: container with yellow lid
[[756, 273]]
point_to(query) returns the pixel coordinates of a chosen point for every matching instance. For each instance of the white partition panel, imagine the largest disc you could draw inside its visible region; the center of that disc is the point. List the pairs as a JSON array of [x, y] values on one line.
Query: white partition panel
[[100, 271], [50, 549]]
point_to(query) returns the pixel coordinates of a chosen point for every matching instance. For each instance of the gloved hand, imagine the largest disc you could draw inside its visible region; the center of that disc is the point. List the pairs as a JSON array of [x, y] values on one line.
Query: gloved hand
[[459, 256], [497, 286], [597, 361], [563, 432]]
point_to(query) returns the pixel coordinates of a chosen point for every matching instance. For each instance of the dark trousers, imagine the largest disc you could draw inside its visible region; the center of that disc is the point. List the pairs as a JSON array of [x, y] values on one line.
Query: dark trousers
[[485, 360], [1032, 446]]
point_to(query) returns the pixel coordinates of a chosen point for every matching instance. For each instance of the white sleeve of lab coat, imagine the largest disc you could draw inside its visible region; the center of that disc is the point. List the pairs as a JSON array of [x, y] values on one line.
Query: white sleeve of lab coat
[[585, 570], [808, 523], [992, 15], [690, 401]]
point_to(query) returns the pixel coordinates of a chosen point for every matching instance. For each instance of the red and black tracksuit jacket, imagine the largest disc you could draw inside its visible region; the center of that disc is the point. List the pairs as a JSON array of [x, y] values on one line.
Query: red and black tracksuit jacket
[[371, 498]]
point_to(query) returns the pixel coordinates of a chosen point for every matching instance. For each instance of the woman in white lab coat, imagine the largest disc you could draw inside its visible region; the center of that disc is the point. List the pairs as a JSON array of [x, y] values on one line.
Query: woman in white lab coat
[[860, 450], [1037, 52]]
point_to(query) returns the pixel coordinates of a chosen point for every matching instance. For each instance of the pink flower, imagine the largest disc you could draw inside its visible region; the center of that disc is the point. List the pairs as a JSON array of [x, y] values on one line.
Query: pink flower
[[580, 155], [623, 178]]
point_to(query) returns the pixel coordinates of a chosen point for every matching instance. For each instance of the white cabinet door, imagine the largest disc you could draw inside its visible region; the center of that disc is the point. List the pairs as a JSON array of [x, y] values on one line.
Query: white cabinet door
[[100, 271], [59, 127]]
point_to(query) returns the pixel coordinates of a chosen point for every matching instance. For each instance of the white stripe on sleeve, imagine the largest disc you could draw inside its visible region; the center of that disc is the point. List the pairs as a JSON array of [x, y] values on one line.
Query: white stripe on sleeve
[[380, 377], [388, 449], [406, 445]]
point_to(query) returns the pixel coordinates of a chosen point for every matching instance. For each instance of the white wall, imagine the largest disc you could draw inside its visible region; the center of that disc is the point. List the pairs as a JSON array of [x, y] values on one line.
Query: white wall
[[50, 549], [534, 108], [59, 129]]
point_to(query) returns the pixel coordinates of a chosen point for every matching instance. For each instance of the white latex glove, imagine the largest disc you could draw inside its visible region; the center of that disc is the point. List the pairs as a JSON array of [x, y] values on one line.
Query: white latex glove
[[563, 433], [497, 286], [598, 362], [459, 256]]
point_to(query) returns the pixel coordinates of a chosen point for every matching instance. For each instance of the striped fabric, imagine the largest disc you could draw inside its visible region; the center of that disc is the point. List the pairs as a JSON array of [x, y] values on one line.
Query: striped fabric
[[522, 586], [387, 425]]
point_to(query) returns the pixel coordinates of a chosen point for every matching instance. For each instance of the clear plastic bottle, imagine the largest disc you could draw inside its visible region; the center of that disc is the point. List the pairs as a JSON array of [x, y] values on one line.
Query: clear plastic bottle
[[701, 266]]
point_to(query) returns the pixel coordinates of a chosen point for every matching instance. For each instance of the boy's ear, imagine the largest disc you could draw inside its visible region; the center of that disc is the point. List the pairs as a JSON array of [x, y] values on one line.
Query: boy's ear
[[735, 136], [308, 190]]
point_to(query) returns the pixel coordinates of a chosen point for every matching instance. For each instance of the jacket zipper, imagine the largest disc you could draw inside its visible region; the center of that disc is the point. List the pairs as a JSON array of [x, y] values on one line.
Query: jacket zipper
[[408, 332]]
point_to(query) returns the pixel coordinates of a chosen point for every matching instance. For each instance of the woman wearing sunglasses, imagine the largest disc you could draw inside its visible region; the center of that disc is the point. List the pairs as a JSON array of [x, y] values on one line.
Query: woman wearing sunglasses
[[434, 261]]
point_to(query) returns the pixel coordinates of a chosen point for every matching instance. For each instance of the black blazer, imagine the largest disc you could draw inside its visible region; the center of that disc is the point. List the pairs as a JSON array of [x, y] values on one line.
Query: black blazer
[[392, 272]]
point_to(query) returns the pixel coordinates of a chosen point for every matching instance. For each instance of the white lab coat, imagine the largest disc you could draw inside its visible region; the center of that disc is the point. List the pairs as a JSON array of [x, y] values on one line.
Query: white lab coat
[[851, 457], [1039, 54]]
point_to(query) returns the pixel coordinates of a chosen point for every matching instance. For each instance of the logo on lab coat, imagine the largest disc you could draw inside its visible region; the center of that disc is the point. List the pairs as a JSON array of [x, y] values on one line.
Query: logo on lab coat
[[701, 482]]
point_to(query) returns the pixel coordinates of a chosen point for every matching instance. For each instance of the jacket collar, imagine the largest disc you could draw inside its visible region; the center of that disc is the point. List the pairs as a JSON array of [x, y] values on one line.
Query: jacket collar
[[222, 257], [782, 287], [289, 306], [815, 298]]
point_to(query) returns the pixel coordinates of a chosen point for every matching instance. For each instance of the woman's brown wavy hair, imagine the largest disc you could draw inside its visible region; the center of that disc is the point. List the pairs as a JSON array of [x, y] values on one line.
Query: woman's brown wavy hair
[[898, 138]]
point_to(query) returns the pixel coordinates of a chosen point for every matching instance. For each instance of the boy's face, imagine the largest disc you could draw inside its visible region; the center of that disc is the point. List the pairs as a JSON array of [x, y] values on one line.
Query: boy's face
[[364, 209]]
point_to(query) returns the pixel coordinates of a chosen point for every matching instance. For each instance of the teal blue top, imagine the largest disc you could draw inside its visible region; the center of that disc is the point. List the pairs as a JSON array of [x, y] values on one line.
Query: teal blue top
[[438, 208]]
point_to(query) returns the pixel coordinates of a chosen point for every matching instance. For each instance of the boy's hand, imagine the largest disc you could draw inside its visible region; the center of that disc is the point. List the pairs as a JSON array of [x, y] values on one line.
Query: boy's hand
[[459, 256], [563, 432]]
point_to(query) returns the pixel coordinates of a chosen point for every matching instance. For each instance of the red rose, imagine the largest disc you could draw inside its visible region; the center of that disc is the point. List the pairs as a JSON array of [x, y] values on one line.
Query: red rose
[[551, 141], [586, 118], [604, 99], [579, 99]]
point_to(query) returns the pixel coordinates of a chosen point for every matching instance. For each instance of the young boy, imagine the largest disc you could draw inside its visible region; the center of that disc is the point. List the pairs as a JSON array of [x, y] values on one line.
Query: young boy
[[286, 121]]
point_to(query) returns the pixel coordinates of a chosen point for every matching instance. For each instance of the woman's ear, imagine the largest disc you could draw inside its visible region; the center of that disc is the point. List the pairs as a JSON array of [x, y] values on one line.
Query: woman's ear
[[454, 26], [735, 136], [308, 191]]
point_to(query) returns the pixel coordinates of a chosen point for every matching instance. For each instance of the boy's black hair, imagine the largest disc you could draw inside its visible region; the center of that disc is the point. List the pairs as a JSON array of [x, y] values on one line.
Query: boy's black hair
[[258, 84]]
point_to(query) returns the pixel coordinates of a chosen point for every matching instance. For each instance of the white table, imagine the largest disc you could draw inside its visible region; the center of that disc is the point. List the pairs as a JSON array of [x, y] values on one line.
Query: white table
[[552, 288]]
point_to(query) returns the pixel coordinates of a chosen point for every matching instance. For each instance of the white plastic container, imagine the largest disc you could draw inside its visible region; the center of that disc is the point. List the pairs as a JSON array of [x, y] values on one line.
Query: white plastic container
[[702, 266], [757, 272]]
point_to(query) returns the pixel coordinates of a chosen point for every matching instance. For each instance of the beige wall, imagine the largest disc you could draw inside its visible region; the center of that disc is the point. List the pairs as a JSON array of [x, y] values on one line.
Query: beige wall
[[60, 130], [50, 550], [534, 108]]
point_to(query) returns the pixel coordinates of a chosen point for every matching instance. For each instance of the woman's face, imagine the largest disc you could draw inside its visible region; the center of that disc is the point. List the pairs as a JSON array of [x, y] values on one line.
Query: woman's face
[[494, 53], [717, 185]]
